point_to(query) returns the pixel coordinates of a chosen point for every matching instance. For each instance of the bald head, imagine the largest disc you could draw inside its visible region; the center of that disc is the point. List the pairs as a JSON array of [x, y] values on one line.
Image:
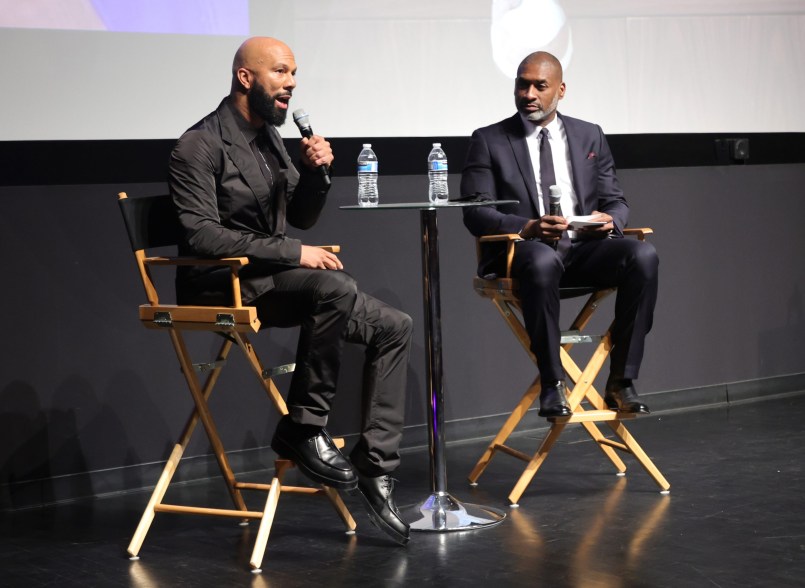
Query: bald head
[[541, 58], [263, 80], [258, 53]]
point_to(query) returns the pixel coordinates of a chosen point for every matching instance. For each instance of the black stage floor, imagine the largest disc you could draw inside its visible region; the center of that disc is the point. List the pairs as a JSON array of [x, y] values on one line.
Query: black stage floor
[[735, 517]]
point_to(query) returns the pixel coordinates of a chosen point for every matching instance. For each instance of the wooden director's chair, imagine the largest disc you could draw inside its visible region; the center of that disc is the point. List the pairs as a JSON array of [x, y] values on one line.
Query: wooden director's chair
[[151, 222], [585, 401]]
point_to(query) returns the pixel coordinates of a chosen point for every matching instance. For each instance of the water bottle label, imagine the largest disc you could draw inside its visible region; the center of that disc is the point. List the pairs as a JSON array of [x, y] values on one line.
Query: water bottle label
[[438, 166], [370, 166]]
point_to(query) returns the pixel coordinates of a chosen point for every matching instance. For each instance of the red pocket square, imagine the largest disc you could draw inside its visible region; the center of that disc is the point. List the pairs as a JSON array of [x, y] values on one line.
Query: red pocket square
[[592, 155]]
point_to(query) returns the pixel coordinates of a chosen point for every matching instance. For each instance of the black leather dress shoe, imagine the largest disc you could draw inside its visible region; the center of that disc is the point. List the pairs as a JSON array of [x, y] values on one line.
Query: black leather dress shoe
[[552, 400], [621, 395], [313, 451], [377, 494]]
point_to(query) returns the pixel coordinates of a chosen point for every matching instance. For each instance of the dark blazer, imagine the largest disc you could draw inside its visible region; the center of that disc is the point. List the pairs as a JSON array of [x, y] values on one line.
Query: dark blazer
[[498, 167], [224, 205]]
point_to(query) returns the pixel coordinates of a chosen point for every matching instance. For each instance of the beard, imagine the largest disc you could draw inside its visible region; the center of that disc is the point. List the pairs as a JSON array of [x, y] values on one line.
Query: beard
[[263, 106], [539, 115]]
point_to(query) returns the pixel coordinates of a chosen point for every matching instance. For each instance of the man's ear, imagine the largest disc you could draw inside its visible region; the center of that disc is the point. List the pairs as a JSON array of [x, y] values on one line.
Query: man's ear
[[245, 77]]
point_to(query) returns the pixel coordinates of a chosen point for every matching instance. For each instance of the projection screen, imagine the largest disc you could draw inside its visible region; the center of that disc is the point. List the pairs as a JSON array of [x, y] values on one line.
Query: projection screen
[[148, 69]]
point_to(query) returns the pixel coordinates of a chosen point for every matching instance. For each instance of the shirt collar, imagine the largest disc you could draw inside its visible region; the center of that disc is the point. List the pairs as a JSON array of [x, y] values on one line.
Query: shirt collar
[[531, 128], [248, 131]]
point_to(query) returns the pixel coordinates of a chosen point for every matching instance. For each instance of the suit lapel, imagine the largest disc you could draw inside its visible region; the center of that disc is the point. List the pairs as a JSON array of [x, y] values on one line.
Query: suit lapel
[[289, 171], [516, 136], [577, 164], [242, 156]]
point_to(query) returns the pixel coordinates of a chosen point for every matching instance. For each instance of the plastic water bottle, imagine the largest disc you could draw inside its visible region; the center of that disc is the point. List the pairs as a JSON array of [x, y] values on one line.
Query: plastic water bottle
[[437, 174], [367, 177]]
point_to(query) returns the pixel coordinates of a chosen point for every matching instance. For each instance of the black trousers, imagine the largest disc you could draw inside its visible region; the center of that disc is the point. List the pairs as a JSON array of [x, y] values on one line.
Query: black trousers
[[628, 264], [330, 310]]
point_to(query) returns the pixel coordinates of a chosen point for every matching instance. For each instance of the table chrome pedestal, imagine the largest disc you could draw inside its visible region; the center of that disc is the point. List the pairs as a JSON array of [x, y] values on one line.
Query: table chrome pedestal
[[440, 511]]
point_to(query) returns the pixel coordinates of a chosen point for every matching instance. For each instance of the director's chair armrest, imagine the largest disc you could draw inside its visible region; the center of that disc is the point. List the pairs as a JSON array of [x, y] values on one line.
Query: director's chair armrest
[[330, 248], [509, 238], [234, 264], [640, 233]]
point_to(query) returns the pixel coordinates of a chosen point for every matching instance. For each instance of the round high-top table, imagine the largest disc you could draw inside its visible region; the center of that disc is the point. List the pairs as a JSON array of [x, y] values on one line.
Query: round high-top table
[[439, 511]]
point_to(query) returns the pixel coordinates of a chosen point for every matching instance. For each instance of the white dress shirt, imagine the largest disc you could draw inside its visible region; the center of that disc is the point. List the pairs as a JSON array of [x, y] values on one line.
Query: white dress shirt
[[561, 162]]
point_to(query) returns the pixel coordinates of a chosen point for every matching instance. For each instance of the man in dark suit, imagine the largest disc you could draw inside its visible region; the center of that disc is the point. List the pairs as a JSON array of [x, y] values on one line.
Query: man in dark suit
[[234, 187], [523, 158]]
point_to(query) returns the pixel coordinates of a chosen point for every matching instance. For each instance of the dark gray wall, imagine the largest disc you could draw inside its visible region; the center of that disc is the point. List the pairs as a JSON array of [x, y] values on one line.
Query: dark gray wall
[[89, 399]]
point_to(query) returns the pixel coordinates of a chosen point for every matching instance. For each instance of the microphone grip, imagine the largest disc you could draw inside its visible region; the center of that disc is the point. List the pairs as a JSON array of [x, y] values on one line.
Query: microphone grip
[[554, 205], [554, 200], [324, 172]]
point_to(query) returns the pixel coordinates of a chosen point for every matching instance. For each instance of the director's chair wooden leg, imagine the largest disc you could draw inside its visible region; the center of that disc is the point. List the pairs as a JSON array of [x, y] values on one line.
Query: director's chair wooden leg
[[158, 494], [205, 416], [279, 403], [275, 490], [536, 462], [262, 374], [600, 441], [156, 498], [508, 310], [589, 393], [282, 465], [506, 430], [341, 509], [632, 446], [270, 509], [583, 389]]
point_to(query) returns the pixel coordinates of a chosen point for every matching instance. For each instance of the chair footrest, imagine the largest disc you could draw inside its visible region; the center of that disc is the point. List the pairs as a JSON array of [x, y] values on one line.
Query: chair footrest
[[217, 512], [309, 490], [590, 416], [615, 444], [513, 452]]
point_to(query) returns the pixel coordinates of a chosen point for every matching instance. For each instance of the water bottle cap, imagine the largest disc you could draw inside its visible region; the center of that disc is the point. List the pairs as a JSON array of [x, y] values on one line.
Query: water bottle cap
[[437, 144], [367, 145]]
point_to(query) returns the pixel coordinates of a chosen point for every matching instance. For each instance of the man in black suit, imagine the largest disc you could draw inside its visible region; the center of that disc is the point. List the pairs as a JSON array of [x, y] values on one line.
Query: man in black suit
[[234, 187], [521, 158]]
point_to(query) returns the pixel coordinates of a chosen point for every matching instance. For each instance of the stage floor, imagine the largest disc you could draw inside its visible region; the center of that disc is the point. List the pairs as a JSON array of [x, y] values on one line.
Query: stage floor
[[735, 517]]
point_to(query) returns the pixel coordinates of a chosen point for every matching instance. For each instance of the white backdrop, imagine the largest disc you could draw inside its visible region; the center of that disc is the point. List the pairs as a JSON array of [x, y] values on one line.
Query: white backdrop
[[425, 68]]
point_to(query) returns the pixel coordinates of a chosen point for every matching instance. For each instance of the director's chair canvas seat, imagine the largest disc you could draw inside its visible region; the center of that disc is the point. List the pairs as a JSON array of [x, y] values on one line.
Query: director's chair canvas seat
[[151, 223], [585, 401]]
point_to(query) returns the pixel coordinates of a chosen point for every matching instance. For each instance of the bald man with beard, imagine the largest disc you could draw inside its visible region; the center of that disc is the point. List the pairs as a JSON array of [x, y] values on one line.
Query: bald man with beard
[[235, 188]]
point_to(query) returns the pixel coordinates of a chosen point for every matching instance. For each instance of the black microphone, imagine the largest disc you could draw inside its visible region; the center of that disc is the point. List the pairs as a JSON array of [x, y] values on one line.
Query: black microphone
[[302, 120], [555, 198]]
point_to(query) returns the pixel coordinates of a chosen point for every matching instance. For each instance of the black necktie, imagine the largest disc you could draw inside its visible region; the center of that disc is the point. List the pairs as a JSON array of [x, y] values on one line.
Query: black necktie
[[547, 176]]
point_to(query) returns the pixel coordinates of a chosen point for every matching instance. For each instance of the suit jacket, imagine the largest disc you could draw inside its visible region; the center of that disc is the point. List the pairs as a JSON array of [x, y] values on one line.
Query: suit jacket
[[498, 167], [225, 207]]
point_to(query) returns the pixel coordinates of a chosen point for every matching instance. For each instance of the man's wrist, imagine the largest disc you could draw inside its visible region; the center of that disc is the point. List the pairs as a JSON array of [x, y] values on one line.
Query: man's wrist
[[525, 232]]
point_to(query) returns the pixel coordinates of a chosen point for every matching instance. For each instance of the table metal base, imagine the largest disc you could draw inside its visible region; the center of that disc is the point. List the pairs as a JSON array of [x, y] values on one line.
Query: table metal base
[[441, 512]]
